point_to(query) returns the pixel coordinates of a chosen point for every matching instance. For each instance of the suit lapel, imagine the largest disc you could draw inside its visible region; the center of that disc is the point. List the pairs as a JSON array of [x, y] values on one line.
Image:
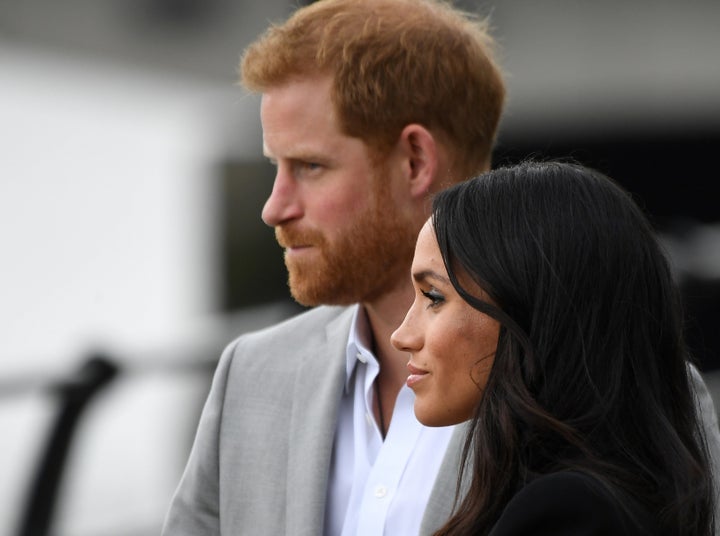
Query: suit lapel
[[442, 497], [316, 399], [318, 387]]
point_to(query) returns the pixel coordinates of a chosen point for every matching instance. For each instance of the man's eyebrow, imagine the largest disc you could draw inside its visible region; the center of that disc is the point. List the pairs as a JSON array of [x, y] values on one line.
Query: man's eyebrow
[[299, 154], [424, 275]]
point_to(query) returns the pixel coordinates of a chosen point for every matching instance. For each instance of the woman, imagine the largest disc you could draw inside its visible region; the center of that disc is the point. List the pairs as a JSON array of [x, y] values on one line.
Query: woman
[[546, 313]]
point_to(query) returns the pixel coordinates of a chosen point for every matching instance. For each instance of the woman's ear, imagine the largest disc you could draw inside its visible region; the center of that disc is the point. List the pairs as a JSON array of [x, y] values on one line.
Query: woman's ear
[[420, 151]]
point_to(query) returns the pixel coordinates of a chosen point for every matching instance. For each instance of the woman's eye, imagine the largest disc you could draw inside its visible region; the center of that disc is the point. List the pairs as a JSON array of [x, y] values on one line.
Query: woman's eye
[[434, 296]]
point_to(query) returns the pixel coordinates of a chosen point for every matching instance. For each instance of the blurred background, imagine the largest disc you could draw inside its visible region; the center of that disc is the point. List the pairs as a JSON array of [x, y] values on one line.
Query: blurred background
[[131, 182]]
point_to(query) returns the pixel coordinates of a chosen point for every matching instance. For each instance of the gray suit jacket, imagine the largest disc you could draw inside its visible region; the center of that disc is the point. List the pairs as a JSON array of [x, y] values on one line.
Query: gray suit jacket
[[261, 458]]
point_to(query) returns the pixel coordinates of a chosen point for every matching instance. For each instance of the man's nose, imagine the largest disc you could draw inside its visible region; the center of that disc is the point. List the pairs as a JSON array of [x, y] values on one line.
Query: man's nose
[[283, 204]]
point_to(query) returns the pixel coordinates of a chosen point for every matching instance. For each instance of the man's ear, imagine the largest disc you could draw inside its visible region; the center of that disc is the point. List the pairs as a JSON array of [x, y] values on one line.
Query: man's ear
[[420, 151]]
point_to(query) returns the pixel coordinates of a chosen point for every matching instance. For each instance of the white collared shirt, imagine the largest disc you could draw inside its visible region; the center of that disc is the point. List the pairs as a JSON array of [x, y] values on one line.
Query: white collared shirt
[[379, 487]]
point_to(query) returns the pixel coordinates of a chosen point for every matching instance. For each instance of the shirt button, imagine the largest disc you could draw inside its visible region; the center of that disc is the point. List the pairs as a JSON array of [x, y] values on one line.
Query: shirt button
[[380, 492], [369, 419], [361, 358]]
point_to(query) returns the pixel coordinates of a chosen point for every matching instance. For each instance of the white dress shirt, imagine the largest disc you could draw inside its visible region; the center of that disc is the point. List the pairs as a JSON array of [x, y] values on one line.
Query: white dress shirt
[[378, 487]]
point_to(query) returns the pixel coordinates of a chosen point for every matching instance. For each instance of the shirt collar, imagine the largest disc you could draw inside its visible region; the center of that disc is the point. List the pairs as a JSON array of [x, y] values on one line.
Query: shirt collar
[[359, 345]]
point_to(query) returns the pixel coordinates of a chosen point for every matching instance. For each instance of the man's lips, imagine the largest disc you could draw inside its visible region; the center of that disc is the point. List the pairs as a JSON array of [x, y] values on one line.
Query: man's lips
[[416, 374], [297, 250], [292, 238]]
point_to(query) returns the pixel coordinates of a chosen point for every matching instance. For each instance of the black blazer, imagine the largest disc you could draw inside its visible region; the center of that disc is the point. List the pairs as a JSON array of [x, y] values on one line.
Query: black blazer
[[569, 503]]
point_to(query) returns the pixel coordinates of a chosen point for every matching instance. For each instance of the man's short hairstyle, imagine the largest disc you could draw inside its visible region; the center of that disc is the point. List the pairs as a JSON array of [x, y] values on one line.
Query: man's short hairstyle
[[393, 63]]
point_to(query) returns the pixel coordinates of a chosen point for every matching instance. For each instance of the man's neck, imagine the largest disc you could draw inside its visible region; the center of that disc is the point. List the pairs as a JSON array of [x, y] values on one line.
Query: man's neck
[[384, 316]]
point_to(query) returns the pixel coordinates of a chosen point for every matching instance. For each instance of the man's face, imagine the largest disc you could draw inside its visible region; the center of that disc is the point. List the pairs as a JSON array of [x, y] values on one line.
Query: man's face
[[334, 211]]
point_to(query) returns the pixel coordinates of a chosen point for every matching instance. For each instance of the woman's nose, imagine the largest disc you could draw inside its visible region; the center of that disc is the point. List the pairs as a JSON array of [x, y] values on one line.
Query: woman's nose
[[406, 337]]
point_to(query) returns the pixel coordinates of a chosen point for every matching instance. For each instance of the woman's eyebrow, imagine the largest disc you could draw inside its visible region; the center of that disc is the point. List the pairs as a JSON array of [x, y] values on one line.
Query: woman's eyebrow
[[424, 275]]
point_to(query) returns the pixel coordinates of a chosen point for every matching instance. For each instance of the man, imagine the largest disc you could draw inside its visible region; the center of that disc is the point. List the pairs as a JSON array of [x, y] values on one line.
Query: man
[[368, 108]]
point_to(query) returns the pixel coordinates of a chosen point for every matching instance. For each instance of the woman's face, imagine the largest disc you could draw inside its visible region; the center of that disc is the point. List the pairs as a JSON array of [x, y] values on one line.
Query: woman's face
[[451, 344]]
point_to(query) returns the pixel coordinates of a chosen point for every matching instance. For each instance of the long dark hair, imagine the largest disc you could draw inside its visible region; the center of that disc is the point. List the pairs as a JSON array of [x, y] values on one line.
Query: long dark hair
[[591, 370]]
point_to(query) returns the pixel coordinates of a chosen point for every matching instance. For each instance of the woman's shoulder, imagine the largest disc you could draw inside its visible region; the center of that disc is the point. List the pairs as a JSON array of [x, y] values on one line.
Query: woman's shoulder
[[567, 503]]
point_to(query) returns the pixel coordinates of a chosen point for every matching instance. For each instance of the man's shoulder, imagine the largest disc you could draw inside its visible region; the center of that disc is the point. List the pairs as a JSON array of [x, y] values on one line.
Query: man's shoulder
[[303, 324], [309, 329], [313, 341]]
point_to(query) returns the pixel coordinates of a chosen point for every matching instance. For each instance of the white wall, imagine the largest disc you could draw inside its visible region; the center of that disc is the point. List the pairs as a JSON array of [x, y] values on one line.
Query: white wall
[[107, 240], [107, 179]]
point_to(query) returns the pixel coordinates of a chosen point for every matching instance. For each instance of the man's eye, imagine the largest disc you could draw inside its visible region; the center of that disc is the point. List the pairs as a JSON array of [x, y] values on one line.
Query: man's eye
[[304, 168], [434, 296]]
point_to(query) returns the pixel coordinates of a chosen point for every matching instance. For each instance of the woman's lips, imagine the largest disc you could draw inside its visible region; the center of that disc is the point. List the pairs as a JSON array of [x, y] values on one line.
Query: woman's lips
[[415, 376]]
